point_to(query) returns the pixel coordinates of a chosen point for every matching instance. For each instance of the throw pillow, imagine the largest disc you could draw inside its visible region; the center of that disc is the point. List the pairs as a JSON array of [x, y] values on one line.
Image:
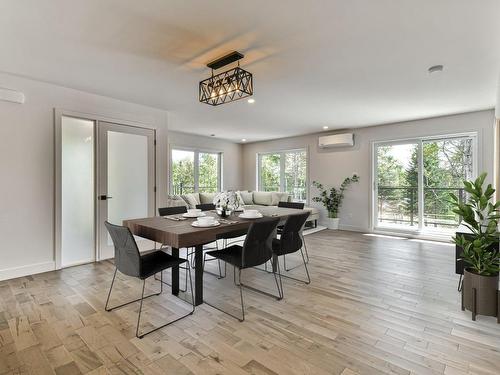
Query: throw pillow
[[247, 197], [279, 197], [263, 198], [191, 199]]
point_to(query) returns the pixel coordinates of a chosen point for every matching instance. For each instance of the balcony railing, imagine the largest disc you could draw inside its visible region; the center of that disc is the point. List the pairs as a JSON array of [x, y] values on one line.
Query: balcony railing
[[399, 206], [179, 189]]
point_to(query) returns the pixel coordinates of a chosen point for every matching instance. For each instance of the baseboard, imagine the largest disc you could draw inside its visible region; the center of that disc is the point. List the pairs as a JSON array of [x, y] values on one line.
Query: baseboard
[[30, 269], [309, 231]]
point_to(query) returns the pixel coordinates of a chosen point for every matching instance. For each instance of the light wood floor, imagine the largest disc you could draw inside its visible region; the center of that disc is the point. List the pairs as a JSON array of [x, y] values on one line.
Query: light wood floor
[[375, 305]]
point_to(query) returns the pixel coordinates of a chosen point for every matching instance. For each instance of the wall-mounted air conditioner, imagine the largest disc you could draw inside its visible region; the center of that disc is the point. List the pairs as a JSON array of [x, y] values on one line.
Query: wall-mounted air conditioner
[[336, 140]]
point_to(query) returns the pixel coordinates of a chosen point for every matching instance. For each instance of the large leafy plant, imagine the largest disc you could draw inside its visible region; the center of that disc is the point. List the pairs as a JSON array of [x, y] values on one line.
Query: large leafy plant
[[332, 198], [480, 215]]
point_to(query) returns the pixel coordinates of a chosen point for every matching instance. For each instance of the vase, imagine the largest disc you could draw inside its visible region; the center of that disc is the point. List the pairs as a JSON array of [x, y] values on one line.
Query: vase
[[479, 294], [332, 223]]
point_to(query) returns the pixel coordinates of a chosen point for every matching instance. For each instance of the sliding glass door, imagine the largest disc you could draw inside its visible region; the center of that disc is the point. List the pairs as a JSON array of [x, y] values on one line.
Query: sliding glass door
[[413, 180]]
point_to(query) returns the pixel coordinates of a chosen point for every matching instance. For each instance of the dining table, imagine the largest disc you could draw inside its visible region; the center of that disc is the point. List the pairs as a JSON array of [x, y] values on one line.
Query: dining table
[[175, 233]]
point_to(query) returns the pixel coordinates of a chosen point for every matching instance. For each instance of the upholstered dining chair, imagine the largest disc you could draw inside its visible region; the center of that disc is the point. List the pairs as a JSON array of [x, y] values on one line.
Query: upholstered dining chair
[[256, 250], [130, 262], [290, 242], [175, 210], [206, 206], [297, 206]]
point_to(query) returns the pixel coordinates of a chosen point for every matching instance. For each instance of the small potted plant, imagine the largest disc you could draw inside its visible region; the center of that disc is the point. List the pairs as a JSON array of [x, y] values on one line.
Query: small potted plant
[[480, 248], [332, 199]]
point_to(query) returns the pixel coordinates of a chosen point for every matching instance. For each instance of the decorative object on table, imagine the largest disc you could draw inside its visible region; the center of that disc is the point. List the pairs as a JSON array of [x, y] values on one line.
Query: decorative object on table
[[225, 202], [480, 248], [251, 214], [332, 199]]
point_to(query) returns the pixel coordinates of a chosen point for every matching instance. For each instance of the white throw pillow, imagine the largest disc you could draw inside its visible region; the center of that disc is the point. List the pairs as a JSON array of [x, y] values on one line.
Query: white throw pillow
[[263, 198], [247, 197], [191, 199], [207, 197], [241, 202], [279, 197]]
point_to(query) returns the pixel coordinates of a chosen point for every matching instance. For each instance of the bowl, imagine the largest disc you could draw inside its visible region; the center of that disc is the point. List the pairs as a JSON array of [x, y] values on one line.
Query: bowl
[[206, 220]]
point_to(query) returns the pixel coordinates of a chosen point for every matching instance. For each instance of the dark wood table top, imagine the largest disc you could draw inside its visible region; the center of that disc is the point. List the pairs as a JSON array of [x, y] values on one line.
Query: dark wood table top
[[182, 234]]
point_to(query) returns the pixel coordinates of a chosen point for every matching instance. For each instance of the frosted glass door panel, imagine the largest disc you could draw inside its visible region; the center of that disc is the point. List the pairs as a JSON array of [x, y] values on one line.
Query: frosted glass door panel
[[77, 191], [127, 177]]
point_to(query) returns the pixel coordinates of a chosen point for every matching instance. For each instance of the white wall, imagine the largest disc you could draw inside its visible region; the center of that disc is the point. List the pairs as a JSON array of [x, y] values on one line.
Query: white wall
[[27, 166], [232, 159], [331, 166]]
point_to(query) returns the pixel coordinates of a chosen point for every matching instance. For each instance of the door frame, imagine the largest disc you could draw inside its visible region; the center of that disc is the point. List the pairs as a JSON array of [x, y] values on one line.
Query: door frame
[[59, 113], [477, 165]]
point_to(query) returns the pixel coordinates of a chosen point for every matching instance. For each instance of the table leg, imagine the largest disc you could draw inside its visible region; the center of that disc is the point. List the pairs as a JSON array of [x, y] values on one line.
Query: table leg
[[175, 273], [198, 279]]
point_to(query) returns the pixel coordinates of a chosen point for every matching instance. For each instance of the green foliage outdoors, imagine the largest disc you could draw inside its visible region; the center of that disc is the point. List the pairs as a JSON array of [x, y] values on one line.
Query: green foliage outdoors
[[480, 215], [445, 164], [332, 199], [183, 174]]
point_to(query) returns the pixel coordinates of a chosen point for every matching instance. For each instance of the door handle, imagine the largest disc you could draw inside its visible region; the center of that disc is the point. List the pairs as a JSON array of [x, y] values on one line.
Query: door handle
[[104, 197]]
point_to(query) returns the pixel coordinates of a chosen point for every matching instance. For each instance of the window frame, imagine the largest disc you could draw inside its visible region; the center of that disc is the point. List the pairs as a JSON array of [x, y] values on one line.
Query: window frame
[[420, 229], [196, 165], [282, 154]]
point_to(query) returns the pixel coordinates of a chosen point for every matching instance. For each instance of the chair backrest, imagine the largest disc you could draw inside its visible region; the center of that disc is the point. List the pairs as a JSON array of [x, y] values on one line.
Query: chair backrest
[[165, 211], [257, 248], [296, 205], [291, 240], [206, 206], [127, 256]]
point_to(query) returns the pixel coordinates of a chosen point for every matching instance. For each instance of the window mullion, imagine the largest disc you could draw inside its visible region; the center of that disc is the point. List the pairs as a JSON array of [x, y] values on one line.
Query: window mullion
[[420, 185], [282, 171], [196, 170]]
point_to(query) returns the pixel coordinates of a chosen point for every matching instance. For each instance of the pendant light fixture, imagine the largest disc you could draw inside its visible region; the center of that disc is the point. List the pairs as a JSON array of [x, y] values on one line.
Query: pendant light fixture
[[228, 86]]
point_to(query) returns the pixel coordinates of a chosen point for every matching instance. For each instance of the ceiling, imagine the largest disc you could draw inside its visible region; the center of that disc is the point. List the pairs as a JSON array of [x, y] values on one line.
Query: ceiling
[[316, 63]]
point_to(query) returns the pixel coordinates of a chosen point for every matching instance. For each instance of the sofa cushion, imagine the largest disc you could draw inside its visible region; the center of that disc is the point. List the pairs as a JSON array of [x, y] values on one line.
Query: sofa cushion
[[241, 202], [279, 197], [263, 198], [191, 199], [247, 197], [175, 200], [207, 197]]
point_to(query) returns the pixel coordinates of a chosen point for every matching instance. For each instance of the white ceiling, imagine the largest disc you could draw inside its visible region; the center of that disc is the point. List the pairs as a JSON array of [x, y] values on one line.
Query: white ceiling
[[334, 62]]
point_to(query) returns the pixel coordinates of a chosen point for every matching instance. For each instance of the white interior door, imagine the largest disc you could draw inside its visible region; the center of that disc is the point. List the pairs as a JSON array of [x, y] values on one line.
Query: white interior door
[[126, 175]]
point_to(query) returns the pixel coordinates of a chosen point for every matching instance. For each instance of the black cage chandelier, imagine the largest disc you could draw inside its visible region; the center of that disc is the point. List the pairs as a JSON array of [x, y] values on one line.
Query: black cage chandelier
[[228, 86]]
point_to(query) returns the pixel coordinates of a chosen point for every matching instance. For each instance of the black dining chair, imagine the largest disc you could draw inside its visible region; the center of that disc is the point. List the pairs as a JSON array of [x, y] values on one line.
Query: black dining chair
[[290, 242], [206, 206], [297, 206], [256, 250], [130, 262], [176, 210]]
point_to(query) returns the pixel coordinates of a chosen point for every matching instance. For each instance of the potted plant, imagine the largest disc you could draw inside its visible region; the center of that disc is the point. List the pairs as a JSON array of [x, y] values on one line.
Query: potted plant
[[225, 202], [332, 199], [480, 248]]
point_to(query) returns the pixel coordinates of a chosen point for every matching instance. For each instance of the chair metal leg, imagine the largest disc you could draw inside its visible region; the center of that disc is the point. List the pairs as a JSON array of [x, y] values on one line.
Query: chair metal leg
[[219, 276], [278, 297], [228, 313], [305, 247], [307, 271], [460, 283], [123, 304], [140, 336]]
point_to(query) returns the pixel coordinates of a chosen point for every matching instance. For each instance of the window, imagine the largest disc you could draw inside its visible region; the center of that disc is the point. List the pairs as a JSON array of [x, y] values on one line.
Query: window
[[414, 179], [195, 171], [284, 171]]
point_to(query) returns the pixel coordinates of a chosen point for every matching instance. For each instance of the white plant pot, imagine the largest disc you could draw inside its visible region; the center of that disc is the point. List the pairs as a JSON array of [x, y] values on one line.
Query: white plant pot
[[332, 223]]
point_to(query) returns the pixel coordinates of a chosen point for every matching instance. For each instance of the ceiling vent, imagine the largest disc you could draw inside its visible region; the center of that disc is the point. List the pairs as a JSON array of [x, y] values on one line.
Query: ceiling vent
[[336, 140]]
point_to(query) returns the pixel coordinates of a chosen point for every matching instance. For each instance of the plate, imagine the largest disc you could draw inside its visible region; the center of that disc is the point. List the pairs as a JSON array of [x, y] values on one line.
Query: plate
[[198, 225], [193, 215], [243, 216]]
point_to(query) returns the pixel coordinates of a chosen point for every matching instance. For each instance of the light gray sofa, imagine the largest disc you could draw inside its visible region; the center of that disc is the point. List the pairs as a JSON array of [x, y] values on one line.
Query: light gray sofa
[[247, 199]]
